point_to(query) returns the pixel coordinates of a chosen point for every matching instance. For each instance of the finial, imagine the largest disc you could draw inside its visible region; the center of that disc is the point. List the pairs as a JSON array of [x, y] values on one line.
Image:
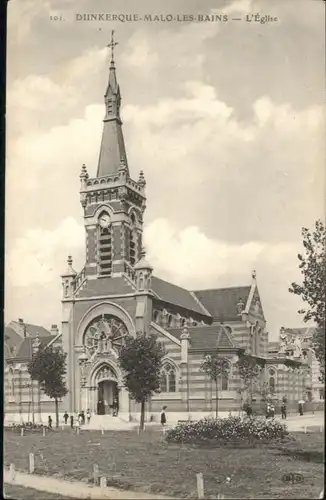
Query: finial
[[83, 173], [253, 274], [69, 260], [141, 179], [112, 44]]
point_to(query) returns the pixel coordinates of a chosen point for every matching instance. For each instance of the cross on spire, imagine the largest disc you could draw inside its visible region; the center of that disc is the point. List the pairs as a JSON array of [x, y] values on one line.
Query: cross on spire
[[112, 44]]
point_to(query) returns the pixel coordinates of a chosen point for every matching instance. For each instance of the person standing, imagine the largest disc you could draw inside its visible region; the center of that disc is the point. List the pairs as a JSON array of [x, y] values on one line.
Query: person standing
[[283, 411], [66, 416], [50, 421], [72, 421], [300, 408], [272, 410], [163, 416], [88, 416], [268, 410]]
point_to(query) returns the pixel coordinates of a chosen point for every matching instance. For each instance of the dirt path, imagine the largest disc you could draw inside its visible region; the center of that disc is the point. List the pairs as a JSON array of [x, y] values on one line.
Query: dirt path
[[73, 489]]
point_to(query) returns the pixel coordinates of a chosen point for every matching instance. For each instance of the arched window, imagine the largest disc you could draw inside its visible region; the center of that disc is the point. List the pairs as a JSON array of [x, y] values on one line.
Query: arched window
[[170, 320], [133, 240], [141, 281], [104, 244], [225, 377], [156, 316], [168, 378], [183, 322], [225, 382], [271, 381]]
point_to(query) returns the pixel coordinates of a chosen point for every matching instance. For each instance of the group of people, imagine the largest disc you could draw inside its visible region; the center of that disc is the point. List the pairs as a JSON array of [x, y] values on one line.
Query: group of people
[[103, 407], [80, 420]]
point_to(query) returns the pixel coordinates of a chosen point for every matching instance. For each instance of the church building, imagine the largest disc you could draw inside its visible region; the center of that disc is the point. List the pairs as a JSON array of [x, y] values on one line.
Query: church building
[[118, 293]]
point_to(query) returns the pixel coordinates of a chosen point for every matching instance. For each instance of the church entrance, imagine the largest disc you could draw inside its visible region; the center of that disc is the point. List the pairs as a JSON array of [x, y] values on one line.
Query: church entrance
[[107, 397]]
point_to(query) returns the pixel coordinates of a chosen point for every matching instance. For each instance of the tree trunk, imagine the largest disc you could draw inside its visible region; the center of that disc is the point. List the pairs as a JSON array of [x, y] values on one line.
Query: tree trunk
[[216, 399], [56, 412], [142, 415]]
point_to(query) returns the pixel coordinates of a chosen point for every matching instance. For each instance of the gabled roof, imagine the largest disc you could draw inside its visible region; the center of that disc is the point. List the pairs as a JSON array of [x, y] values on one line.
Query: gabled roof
[[206, 337], [221, 303], [11, 338], [105, 286], [26, 347], [173, 294], [31, 330]]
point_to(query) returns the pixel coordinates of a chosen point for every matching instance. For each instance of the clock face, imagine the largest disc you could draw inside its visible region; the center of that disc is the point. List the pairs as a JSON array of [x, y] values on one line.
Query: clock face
[[104, 220]]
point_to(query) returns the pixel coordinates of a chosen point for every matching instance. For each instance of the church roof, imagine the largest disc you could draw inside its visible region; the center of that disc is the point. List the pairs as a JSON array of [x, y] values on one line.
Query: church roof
[[173, 294], [206, 337], [105, 286], [221, 303], [30, 329], [12, 339], [26, 347]]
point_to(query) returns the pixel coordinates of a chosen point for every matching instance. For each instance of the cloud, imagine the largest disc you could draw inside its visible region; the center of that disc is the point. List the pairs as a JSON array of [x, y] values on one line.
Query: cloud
[[38, 256]]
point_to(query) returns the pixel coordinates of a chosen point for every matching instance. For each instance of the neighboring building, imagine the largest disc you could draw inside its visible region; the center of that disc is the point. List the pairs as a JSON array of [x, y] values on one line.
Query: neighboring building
[[296, 343], [23, 399], [117, 293]]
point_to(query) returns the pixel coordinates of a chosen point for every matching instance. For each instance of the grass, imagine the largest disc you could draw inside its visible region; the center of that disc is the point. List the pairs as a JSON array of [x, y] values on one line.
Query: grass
[[145, 463], [13, 492]]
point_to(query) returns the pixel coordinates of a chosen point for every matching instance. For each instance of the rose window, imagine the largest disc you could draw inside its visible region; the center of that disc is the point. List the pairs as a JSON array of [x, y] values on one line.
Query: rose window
[[104, 334]]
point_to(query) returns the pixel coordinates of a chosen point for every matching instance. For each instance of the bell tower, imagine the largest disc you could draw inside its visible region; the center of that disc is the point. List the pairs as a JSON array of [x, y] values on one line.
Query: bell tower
[[113, 202]]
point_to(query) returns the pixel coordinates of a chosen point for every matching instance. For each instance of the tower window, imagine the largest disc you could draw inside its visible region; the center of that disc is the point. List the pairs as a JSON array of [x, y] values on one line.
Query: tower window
[[105, 251]]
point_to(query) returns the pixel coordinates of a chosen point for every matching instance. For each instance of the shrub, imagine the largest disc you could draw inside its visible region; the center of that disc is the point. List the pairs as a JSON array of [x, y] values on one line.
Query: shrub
[[227, 430]]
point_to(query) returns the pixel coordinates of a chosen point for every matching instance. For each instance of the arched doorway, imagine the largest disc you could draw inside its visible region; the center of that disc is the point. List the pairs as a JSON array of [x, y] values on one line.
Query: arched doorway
[[107, 394], [107, 390]]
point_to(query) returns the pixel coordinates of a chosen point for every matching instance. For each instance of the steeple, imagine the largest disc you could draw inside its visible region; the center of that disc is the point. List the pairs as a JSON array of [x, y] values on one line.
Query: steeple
[[112, 150]]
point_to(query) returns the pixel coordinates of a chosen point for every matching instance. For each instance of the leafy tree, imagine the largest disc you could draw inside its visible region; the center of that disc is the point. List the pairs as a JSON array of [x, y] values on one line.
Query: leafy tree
[[312, 263], [249, 371], [48, 367], [140, 359], [215, 367]]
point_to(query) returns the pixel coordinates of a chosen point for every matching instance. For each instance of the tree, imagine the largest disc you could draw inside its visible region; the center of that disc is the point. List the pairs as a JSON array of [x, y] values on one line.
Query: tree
[[140, 359], [312, 264], [215, 367], [249, 371], [48, 367]]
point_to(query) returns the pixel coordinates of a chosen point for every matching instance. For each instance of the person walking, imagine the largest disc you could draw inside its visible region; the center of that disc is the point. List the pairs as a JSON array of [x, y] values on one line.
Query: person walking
[[83, 417], [163, 416], [50, 422], [80, 418], [301, 408], [88, 416], [66, 416], [72, 421]]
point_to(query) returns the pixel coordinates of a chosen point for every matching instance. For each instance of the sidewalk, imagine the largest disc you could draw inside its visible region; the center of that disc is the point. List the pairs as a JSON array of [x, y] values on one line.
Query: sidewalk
[[74, 489]]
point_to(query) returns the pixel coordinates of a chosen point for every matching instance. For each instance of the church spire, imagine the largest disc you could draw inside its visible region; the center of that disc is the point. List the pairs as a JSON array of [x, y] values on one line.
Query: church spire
[[112, 147]]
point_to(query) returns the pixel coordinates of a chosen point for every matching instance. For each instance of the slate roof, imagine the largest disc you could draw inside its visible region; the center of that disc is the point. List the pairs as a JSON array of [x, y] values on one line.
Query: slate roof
[[221, 303], [11, 338], [31, 330], [26, 347], [173, 294], [105, 286], [206, 337]]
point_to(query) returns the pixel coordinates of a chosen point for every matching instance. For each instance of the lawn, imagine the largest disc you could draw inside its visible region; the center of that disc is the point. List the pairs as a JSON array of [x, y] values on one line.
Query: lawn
[[13, 492], [145, 463]]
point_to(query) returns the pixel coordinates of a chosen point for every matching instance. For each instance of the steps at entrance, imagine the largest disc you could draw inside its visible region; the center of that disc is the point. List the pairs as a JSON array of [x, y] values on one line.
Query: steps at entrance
[[108, 422]]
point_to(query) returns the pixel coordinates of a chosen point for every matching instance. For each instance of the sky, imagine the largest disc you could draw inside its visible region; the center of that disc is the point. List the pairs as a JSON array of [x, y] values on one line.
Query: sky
[[226, 120]]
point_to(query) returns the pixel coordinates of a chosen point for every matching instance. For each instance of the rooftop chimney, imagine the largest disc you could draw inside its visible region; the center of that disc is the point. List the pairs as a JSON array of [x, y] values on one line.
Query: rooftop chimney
[[54, 330]]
